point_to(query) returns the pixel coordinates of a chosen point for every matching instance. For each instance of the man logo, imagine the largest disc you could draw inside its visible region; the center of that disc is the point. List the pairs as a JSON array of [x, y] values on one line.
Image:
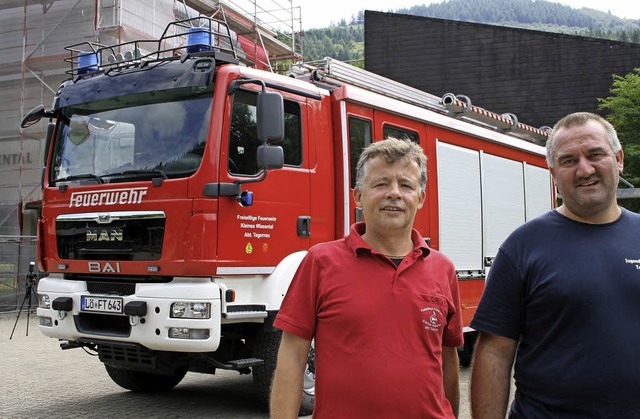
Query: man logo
[[104, 235]]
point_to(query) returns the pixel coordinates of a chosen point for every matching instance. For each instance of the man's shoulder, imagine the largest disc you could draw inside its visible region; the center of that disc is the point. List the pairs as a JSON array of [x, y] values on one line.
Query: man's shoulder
[[535, 232], [632, 217], [437, 256], [329, 247], [542, 221]]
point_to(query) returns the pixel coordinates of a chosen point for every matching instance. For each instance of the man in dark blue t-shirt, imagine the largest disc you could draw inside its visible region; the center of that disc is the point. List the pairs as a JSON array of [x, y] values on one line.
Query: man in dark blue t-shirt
[[563, 294]]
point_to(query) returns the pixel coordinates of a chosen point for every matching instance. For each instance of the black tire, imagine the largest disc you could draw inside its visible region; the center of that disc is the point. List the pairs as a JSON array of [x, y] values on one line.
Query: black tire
[[466, 354], [144, 382], [266, 348]]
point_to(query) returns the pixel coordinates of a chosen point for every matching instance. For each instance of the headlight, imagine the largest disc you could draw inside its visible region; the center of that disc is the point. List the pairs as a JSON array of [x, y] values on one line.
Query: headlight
[[186, 310], [200, 310], [178, 309], [44, 301]]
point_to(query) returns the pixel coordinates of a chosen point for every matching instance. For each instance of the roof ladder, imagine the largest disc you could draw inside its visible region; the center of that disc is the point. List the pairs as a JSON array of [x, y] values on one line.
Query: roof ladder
[[331, 74]]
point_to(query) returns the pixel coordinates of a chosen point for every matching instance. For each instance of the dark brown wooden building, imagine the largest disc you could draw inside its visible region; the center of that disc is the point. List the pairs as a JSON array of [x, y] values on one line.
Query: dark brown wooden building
[[538, 76]]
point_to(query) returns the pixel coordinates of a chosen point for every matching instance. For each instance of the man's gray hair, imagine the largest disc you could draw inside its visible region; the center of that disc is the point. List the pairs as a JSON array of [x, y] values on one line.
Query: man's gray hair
[[392, 150], [581, 118]]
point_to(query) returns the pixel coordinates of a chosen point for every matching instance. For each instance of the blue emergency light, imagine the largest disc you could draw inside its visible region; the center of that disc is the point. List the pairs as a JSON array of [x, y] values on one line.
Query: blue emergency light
[[199, 39], [88, 62]]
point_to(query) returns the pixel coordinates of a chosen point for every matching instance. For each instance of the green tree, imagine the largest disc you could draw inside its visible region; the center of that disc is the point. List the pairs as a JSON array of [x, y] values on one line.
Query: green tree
[[623, 106]]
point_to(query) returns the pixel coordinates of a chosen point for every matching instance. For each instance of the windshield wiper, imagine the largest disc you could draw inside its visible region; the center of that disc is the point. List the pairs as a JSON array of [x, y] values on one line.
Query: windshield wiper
[[138, 173], [78, 177]]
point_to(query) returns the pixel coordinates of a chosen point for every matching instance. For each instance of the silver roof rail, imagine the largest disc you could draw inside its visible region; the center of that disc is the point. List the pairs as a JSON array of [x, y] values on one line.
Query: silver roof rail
[[330, 73]]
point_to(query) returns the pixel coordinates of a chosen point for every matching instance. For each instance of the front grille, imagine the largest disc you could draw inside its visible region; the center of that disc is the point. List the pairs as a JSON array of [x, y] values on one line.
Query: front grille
[[86, 237], [111, 288], [118, 282]]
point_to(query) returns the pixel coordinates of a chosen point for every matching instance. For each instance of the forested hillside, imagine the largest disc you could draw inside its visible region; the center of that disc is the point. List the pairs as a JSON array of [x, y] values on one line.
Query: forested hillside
[[345, 40]]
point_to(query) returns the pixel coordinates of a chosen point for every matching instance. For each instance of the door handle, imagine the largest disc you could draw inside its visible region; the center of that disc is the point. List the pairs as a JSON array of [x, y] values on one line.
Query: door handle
[[304, 226]]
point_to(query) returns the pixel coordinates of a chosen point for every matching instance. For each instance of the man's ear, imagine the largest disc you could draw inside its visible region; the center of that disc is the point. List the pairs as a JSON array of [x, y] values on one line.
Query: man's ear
[[423, 197], [357, 195], [620, 160], [553, 175]]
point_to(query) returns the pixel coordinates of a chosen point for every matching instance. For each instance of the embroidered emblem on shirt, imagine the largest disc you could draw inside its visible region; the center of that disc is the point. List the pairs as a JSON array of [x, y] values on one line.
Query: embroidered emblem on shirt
[[431, 318]]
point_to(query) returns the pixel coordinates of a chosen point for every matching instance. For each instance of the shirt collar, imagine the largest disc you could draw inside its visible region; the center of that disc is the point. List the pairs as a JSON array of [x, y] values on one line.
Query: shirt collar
[[356, 243]]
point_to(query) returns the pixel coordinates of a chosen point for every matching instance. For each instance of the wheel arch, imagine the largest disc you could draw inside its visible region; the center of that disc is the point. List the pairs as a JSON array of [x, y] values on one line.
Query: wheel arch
[[274, 286]]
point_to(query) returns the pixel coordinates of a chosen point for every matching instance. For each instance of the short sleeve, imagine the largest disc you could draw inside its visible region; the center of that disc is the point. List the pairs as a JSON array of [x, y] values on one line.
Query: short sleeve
[[500, 311], [453, 335], [298, 312]]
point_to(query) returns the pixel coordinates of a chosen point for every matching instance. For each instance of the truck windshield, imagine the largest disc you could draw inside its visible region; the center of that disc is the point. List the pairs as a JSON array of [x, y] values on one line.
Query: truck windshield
[[130, 143]]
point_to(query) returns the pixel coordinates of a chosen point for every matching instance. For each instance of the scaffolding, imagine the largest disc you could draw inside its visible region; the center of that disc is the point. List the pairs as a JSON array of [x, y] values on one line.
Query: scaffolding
[[18, 252], [270, 31], [32, 65]]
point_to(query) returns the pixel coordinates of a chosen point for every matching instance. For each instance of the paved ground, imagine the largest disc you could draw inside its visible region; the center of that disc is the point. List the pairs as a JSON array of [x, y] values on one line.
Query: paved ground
[[39, 380]]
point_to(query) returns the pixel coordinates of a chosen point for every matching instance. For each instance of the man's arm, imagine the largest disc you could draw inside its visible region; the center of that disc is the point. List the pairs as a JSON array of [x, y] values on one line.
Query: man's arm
[[491, 376], [451, 377], [286, 389]]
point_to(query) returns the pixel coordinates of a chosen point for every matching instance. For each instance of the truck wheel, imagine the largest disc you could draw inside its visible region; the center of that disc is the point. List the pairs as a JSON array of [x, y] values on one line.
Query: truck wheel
[[466, 353], [144, 382], [266, 348], [309, 383]]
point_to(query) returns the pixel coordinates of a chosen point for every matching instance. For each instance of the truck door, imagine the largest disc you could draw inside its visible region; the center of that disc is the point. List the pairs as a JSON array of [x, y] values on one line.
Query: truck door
[[253, 239], [358, 121], [388, 125], [364, 126]]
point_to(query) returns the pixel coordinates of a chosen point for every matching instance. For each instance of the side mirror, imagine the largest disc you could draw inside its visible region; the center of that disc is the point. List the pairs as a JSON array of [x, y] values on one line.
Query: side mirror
[[33, 116], [270, 117], [270, 157]]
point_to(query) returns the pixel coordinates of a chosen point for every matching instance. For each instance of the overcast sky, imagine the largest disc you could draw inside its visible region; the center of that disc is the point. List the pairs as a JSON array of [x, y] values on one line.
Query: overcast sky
[[321, 13]]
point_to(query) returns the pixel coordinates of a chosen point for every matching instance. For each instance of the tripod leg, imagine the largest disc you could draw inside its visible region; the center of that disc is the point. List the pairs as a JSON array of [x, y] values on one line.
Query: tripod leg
[[28, 314], [35, 297], [26, 296]]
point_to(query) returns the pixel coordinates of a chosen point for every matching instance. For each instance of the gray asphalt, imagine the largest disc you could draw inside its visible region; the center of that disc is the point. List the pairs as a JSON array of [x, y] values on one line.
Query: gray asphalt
[[39, 380]]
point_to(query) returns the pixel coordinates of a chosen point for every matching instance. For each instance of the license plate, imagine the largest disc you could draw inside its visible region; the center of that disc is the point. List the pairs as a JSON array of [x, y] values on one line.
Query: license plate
[[101, 304]]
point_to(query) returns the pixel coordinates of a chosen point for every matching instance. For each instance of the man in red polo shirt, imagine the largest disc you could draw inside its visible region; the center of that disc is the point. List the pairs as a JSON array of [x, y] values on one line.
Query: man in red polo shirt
[[382, 306]]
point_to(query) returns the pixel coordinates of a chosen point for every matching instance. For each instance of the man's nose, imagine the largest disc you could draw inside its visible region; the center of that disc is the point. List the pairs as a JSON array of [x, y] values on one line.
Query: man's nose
[[394, 189], [585, 168]]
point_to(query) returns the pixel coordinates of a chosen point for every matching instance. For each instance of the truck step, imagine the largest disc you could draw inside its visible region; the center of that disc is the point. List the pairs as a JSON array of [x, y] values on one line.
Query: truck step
[[245, 362], [237, 315]]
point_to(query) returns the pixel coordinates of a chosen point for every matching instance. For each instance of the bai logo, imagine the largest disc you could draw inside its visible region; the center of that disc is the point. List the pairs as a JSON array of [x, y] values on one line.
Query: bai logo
[[634, 262], [431, 318], [106, 267]]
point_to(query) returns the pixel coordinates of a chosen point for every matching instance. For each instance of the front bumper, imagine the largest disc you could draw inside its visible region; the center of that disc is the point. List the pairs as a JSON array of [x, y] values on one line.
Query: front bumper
[[150, 330]]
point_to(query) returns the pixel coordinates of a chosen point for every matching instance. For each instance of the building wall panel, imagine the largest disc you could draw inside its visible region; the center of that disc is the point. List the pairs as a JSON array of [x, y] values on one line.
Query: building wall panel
[[538, 76]]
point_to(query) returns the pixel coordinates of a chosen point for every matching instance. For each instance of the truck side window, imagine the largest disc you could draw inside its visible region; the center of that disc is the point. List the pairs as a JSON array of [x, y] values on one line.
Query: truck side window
[[400, 133], [243, 139], [359, 138]]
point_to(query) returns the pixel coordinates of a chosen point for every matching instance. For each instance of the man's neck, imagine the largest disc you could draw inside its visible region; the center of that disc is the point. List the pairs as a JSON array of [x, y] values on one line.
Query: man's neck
[[394, 245], [604, 217]]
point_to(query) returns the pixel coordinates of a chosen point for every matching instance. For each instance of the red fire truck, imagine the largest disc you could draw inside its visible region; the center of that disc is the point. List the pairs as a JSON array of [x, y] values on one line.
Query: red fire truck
[[182, 189]]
